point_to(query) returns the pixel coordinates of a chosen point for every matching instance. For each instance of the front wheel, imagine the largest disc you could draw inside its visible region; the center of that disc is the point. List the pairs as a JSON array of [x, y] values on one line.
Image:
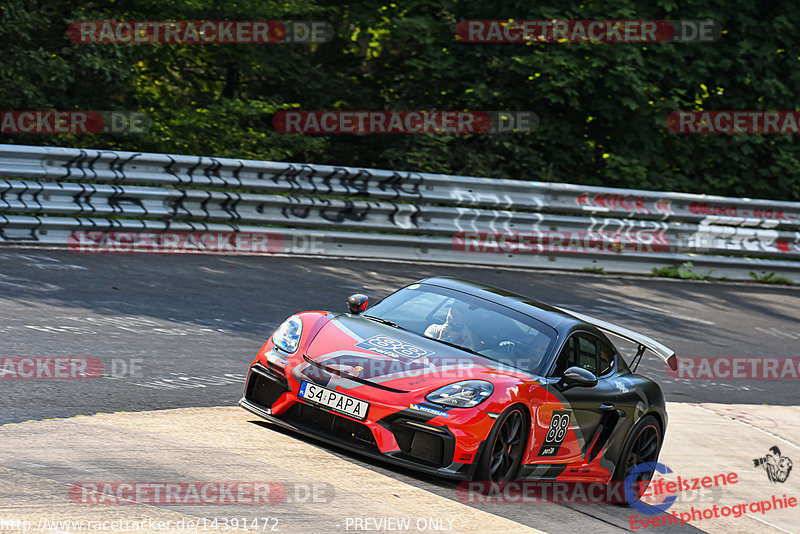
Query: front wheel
[[642, 446], [505, 446]]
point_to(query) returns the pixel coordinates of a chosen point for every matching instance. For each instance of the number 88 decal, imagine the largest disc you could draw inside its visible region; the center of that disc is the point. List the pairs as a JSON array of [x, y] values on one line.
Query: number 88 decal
[[556, 432], [558, 427]]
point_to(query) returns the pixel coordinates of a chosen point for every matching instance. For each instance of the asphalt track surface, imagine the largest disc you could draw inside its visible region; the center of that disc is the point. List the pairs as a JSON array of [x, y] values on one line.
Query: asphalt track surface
[[180, 331]]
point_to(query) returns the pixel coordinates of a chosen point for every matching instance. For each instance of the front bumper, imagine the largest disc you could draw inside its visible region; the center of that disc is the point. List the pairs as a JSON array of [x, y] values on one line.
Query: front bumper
[[400, 436], [464, 474]]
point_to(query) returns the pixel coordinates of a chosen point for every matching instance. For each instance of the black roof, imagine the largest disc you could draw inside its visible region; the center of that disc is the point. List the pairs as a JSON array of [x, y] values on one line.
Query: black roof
[[545, 313]]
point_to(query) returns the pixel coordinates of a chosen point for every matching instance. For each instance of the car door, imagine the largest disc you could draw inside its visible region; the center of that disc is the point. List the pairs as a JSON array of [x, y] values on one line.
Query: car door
[[585, 409]]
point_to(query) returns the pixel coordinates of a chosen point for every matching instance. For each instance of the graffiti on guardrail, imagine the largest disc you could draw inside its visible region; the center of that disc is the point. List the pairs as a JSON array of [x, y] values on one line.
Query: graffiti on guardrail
[[347, 210], [85, 163], [737, 234], [498, 219], [703, 208], [203, 171], [627, 203], [354, 181], [462, 195], [402, 216], [61, 192]]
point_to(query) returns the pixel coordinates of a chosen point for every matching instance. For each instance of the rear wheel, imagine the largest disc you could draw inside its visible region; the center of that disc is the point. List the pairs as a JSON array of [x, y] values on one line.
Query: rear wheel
[[642, 446], [505, 446]]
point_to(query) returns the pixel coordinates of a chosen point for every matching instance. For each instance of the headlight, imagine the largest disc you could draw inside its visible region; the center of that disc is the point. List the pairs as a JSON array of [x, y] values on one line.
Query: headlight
[[287, 336], [466, 394]]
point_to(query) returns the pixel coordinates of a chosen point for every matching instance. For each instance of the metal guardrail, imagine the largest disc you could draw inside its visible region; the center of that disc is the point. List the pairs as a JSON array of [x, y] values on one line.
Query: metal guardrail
[[72, 197]]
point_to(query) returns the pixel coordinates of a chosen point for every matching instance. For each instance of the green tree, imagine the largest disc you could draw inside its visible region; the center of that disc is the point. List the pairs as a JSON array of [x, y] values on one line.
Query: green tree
[[602, 106]]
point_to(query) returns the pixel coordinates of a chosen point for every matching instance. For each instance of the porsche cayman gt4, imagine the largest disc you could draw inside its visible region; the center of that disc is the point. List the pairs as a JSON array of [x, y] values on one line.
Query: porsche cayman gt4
[[464, 381]]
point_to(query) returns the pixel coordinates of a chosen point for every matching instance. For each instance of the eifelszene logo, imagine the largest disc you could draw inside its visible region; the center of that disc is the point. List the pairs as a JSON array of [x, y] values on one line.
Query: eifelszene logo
[[777, 467]]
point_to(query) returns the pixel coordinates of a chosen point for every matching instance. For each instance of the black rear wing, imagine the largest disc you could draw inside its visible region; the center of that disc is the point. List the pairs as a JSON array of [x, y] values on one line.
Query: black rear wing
[[664, 353]]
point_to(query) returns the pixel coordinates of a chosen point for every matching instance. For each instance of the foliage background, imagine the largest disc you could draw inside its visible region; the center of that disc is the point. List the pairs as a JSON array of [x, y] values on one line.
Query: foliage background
[[602, 107]]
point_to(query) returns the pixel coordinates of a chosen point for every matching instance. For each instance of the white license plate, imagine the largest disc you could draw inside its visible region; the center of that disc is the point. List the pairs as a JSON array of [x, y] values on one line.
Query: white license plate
[[334, 401]]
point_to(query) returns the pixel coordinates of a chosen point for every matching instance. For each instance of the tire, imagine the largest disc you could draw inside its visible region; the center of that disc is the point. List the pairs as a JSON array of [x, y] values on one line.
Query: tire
[[502, 454], [643, 445]]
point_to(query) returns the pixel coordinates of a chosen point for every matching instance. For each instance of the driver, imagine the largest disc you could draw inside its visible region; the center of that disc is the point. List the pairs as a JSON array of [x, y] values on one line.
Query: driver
[[455, 328]]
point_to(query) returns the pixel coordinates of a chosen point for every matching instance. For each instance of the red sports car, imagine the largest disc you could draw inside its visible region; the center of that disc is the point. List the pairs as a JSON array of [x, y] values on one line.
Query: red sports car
[[464, 381]]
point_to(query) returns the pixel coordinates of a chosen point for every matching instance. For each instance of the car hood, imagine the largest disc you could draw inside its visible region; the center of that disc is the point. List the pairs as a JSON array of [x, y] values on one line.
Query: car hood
[[372, 352]]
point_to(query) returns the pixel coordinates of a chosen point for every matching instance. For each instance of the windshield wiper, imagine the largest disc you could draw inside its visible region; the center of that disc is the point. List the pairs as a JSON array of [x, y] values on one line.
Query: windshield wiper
[[501, 362], [384, 321], [463, 348], [395, 325]]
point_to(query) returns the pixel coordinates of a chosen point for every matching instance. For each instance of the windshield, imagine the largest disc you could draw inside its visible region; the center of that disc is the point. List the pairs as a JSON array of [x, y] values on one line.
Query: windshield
[[472, 323]]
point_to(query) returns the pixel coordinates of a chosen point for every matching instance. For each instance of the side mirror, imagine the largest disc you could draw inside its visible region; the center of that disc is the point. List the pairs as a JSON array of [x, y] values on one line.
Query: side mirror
[[578, 376], [357, 303]]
